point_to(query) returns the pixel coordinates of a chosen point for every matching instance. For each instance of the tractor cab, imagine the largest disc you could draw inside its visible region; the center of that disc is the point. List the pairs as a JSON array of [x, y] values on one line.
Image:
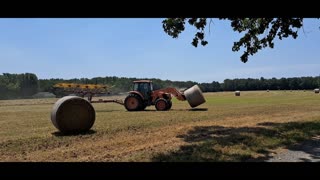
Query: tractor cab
[[145, 87]]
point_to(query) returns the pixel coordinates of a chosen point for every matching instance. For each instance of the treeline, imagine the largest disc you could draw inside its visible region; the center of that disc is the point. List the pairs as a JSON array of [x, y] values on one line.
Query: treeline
[[18, 85], [295, 83], [123, 84], [27, 84]]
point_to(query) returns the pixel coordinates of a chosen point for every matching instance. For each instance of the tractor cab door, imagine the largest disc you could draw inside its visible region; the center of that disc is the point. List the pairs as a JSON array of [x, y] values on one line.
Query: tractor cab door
[[148, 91], [144, 88]]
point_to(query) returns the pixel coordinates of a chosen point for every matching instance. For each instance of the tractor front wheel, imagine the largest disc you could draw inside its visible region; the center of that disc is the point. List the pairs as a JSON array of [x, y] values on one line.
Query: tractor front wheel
[[161, 104]]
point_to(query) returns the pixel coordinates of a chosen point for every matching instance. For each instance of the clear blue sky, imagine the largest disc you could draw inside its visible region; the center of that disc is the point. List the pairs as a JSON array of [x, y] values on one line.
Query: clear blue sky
[[75, 48]]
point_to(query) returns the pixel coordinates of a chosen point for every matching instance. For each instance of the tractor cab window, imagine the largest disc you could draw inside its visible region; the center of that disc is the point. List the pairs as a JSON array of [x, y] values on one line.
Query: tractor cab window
[[146, 87], [136, 87], [143, 87], [151, 87]]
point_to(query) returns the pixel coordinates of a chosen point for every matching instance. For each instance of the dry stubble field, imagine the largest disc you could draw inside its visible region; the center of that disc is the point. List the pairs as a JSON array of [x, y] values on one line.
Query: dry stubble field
[[226, 128]]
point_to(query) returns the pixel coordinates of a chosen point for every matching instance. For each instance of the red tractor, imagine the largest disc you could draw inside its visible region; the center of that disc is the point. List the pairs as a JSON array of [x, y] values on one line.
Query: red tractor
[[143, 95]]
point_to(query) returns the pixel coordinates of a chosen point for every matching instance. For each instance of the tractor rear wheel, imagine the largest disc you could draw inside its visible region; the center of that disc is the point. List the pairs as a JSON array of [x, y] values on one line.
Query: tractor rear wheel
[[133, 102], [161, 104]]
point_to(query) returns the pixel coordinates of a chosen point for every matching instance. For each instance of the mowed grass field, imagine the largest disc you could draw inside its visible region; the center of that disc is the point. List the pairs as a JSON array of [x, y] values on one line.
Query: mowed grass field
[[249, 127]]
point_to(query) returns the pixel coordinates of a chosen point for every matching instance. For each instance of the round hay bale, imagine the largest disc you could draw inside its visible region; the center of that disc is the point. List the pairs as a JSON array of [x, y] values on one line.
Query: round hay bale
[[194, 96], [267, 90], [237, 93], [316, 91], [72, 114]]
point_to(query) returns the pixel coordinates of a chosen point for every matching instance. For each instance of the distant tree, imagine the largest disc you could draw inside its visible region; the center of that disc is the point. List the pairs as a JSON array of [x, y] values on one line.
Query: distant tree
[[28, 84], [18, 85]]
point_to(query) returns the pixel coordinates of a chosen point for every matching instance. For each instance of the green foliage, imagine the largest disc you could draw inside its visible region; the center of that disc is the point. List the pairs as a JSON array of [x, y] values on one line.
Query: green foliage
[[18, 85], [123, 84], [258, 32], [295, 83]]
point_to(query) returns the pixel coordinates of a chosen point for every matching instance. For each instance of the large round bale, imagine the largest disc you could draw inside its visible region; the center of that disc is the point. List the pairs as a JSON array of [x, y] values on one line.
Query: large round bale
[[72, 114], [316, 91], [194, 96], [237, 93]]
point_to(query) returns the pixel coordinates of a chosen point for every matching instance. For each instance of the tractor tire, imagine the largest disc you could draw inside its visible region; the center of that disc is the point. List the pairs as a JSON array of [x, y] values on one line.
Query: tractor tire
[[161, 104], [169, 105], [133, 102]]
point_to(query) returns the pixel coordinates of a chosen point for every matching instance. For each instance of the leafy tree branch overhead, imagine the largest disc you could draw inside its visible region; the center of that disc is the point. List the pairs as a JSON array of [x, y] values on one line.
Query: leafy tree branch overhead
[[258, 33]]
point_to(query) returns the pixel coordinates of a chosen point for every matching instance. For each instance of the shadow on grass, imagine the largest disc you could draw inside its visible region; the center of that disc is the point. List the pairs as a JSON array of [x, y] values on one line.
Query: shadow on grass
[[154, 110], [198, 109], [58, 133], [193, 109], [110, 110], [151, 110], [218, 143]]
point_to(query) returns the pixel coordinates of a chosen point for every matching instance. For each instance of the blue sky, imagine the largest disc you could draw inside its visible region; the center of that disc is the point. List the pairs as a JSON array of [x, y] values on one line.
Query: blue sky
[[75, 48]]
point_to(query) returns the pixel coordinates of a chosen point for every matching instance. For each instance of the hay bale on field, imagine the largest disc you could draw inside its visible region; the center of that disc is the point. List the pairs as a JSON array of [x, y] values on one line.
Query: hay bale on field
[[72, 114], [194, 96], [237, 93], [316, 91]]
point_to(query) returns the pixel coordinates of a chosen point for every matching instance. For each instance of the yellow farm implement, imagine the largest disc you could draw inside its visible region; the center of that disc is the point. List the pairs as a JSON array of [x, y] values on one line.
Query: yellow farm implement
[[83, 89]]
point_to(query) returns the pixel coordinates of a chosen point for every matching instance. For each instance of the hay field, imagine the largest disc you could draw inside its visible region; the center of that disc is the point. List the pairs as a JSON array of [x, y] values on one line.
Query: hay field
[[249, 127]]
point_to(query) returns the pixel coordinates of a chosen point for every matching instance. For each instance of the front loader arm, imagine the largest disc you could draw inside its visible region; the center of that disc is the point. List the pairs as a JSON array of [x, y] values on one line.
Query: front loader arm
[[179, 95]]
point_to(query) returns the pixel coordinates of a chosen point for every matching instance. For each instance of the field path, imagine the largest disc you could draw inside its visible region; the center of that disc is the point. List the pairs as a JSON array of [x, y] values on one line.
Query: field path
[[308, 151]]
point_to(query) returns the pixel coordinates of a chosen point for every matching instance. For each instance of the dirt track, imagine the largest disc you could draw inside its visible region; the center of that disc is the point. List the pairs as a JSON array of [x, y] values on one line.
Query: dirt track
[[308, 151]]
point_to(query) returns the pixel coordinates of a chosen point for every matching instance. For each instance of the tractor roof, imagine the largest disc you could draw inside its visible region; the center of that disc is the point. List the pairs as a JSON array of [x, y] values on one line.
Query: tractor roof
[[142, 81]]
